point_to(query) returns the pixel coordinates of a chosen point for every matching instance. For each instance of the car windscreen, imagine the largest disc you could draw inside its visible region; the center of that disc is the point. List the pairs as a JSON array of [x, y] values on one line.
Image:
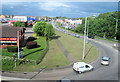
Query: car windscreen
[[105, 59]]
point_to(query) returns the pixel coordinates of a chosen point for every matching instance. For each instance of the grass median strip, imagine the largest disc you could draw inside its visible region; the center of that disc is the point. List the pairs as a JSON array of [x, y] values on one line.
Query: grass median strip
[[53, 58], [75, 47]]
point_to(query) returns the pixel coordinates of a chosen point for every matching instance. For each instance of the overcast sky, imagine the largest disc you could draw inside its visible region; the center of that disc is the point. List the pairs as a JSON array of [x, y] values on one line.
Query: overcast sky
[[60, 0], [55, 8]]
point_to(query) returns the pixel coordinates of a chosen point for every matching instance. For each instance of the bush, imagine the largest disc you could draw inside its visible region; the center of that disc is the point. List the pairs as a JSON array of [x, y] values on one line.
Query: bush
[[31, 44], [19, 24], [12, 48], [22, 24], [31, 39]]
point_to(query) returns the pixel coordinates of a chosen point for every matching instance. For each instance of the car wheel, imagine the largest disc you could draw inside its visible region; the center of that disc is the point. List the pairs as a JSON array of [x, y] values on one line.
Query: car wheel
[[73, 69], [79, 72], [92, 69]]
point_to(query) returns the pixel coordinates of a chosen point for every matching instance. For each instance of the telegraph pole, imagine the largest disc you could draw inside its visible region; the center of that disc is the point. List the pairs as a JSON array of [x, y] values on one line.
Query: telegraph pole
[[84, 38]]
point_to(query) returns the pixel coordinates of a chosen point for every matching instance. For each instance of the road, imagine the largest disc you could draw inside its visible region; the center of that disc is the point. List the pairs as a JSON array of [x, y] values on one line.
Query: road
[[100, 72]]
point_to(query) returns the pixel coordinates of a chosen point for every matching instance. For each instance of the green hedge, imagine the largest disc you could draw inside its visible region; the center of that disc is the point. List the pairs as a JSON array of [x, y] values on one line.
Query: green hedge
[[12, 48]]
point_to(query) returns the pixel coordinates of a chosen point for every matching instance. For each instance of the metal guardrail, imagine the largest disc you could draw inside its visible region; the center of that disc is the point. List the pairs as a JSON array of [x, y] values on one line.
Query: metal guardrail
[[44, 53]]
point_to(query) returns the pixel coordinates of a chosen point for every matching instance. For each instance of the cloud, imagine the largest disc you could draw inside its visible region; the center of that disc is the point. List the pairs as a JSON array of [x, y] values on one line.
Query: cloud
[[25, 5], [50, 5], [61, 0], [11, 7]]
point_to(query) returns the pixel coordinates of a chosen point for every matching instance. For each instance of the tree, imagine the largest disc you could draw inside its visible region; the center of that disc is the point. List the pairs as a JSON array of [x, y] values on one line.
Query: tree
[[104, 25], [39, 28], [80, 28], [37, 21], [19, 24], [64, 17], [49, 31]]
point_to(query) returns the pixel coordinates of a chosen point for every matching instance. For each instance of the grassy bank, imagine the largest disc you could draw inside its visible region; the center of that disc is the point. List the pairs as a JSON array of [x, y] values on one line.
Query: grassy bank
[[75, 47], [53, 58]]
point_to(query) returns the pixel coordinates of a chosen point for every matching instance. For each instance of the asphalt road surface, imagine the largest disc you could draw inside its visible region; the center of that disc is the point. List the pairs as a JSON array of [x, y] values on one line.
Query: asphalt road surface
[[100, 72]]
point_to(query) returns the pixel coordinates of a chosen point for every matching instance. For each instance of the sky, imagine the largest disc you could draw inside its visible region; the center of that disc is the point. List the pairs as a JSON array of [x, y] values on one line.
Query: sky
[[60, 0], [69, 8]]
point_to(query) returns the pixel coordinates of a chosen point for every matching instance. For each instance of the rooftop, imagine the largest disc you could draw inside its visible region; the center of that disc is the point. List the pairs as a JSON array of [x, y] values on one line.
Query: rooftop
[[9, 31]]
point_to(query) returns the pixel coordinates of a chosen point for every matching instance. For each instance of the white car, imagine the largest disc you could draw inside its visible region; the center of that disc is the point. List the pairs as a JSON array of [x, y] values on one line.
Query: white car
[[105, 61], [82, 67]]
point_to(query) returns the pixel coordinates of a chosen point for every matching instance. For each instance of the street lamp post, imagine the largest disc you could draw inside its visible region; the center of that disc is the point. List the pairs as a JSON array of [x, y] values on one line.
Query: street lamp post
[[84, 38], [87, 31], [87, 28], [116, 28]]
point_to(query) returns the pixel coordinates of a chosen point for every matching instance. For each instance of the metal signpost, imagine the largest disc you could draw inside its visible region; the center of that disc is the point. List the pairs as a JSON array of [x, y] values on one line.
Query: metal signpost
[[14, 56], [18, 44]]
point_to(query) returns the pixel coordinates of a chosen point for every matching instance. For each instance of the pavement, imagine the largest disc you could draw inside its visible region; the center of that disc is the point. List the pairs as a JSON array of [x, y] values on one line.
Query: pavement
[[22, 75], [12, 78]]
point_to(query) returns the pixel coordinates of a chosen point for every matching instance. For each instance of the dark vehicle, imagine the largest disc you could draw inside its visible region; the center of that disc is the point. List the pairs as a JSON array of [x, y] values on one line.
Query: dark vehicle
[[90, 36]]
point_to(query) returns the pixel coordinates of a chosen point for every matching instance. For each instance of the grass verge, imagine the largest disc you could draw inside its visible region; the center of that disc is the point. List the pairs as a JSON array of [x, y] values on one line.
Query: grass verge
[[34, 53], [31, 54], [75, 47], [53, 58], [83, 34]]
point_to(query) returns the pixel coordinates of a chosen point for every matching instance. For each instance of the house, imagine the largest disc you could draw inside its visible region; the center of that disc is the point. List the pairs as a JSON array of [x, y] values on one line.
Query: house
[[9, 36]]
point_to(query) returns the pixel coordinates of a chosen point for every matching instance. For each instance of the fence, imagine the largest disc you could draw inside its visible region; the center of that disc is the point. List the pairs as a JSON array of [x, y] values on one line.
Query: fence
[[44, 53]]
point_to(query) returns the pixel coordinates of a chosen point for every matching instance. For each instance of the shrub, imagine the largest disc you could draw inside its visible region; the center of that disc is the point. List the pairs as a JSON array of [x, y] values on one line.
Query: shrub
[[9, 64], [31, 44], [22, 24], [31, 38], [12, 48], [19, 24]]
